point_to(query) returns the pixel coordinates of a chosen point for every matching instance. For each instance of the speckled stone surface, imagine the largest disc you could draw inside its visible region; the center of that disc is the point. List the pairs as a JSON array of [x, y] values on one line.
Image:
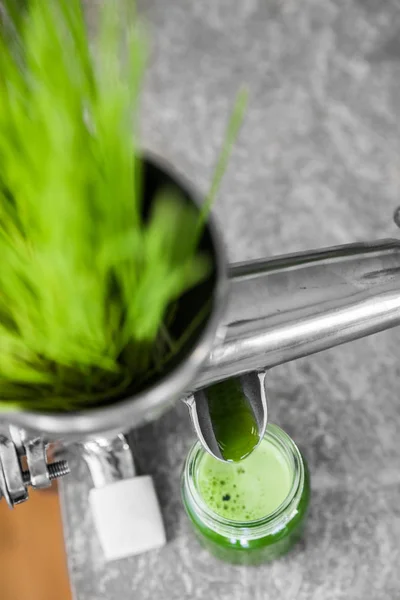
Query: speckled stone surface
[[317, 163]]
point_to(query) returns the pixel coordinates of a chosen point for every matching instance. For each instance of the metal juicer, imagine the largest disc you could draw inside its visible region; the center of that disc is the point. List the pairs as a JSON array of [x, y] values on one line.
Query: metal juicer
[[263, 313]]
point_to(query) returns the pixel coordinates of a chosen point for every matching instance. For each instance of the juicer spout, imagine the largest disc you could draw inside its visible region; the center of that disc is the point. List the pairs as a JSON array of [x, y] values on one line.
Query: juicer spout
[[295, 305]]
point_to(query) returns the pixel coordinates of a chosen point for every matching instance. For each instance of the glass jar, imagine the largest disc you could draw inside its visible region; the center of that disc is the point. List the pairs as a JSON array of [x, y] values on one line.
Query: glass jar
[[260, 539]]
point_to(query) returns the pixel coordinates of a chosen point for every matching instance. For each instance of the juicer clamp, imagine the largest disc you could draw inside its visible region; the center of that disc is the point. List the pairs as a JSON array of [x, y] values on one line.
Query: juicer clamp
[[14, 477]]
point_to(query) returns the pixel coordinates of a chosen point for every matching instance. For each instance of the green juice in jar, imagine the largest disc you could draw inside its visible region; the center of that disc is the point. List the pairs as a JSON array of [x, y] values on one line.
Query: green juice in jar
[[241, 491], [252, 511]]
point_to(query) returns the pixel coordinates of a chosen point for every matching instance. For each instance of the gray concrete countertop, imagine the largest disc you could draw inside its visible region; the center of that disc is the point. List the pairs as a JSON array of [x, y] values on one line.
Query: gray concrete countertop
[[317, 164]]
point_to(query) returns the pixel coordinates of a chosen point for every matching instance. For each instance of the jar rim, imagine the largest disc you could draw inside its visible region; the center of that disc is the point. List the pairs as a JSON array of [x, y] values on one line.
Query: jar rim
[[266, 525]]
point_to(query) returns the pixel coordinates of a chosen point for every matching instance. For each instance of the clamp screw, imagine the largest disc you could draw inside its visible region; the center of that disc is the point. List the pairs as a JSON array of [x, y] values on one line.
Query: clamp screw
[[56, 469]]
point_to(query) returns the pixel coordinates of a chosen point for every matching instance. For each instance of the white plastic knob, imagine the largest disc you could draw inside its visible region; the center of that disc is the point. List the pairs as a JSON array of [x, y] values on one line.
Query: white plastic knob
[[127, 517]]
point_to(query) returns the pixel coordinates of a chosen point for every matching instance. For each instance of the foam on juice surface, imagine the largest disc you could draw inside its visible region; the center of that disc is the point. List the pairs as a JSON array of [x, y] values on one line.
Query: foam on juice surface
[[248, 490]]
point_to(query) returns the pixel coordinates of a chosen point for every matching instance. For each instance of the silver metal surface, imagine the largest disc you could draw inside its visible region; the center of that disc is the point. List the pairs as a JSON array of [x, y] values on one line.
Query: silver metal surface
[[37, 463], [295, 305], [56, 470], [14, 481], [108, 460], [254, 393], [12, 485], [279, 309]]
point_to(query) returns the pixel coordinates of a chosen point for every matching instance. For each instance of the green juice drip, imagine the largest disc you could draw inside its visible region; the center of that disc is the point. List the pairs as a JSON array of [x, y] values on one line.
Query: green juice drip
[[233, 422], [247, 491]]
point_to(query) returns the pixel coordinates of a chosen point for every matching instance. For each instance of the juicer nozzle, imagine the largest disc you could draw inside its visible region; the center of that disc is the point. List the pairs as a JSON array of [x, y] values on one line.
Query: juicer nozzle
[[230, 417]]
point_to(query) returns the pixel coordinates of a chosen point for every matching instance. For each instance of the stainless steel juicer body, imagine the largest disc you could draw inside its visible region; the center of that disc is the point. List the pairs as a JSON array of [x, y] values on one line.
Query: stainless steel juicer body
[[263, 313]]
